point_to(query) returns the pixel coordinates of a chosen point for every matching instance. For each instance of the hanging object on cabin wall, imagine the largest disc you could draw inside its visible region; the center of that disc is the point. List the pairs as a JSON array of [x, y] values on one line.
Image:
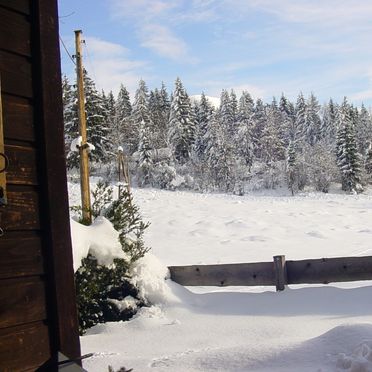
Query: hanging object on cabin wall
[[4, 162]]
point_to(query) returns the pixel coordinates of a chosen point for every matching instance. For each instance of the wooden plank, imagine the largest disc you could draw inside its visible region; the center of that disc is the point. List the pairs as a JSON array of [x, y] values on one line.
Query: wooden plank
[[280, 273], [21, 254], [327, 270], [22, 300], [15, 32], [24, 347], [22, 6], [18, 115], [16, 74], [22, 210], [22, 165], [243, 274], [55, 210]]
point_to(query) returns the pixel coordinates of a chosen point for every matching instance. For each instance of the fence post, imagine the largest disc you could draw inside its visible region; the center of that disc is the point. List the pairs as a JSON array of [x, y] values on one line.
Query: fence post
[[280, 272]]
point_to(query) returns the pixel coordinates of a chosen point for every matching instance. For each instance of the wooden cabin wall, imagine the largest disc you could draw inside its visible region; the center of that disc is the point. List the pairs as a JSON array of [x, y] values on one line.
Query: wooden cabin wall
[[37, 301]]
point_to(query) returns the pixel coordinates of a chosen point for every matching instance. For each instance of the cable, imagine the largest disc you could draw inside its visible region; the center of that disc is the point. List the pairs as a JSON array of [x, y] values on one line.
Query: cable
[[91, 64], [64, 46]]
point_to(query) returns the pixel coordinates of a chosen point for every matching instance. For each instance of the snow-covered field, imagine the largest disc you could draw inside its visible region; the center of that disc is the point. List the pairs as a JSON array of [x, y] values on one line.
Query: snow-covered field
[[304, 328]]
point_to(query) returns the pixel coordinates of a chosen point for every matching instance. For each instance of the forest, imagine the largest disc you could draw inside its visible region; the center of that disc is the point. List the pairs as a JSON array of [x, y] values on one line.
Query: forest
[[174, 141]]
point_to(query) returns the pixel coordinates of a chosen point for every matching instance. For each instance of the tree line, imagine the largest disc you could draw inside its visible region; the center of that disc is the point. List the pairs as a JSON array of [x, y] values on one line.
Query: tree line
[[244, 144]]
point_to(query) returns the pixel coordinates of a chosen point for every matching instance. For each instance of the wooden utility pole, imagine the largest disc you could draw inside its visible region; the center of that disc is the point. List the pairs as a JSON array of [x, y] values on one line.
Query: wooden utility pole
[[83, 146]]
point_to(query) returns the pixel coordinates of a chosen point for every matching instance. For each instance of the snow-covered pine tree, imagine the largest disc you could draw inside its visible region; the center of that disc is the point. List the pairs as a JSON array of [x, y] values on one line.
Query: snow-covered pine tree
[[159, 111], [204, 112], [123, 129], [271, 142], [259, 124], [244, 140], [312, 121], [181, 128], [363, 130], [291, 168], [328, 127], [141, 113], [97, 127], [145, 157], [348, 159], [368, 162], [299, 130], [70, 118], [220, 156], [288, 120], [226, 114]]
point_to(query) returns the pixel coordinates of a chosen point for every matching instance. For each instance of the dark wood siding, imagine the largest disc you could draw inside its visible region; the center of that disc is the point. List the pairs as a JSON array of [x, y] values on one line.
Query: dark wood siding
[[37, 304]]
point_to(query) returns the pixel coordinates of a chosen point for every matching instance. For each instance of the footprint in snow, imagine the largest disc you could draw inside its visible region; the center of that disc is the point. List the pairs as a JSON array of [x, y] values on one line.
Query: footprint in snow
[[254, 238], [368, 231], [315, 234]]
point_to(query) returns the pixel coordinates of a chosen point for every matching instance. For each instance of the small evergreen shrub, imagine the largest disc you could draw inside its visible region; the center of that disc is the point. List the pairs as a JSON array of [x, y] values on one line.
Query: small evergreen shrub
[[105, 293], [97, 286]]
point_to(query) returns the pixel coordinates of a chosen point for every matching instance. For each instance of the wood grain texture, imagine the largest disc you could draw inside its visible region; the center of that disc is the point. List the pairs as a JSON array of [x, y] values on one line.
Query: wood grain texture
[[15, 32], [21, 254], [22, 300], [18, 116], [55, 210], [24, 347], [22, 211], [327, 270], [242, 274], [22, 6], [22, 168], [16, 74]]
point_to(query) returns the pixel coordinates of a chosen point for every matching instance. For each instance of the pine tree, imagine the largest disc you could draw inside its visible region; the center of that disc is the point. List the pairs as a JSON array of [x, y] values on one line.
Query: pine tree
[[181, 128], [329, 124], [145, 157], [141, 113], [288, 131], [271, 142], [245, 128], [363, 130], [312, 121], [70, 118], [97, 127], [123, 129], [259, 123], [291, 168], [204, 112], [298, 131], [348, 159]]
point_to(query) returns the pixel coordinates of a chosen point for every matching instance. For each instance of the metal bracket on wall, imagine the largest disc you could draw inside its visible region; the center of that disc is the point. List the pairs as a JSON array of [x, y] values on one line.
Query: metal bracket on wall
[[4, 162]]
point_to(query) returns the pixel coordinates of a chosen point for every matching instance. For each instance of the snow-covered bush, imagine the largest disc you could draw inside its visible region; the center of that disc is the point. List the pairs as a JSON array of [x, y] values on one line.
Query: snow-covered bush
[[104, 292], [164, 175], [99, 291]]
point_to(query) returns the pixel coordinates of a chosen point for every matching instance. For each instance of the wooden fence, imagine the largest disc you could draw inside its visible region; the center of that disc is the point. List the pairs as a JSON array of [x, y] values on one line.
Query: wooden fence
[[277, 273]]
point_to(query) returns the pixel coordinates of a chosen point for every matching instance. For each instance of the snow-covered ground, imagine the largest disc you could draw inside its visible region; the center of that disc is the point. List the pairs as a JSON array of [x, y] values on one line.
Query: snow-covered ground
[[304, 328]]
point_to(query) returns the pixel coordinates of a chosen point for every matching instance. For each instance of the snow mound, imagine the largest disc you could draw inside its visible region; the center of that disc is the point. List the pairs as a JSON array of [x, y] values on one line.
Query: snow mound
[[149, 277], [100, 239]]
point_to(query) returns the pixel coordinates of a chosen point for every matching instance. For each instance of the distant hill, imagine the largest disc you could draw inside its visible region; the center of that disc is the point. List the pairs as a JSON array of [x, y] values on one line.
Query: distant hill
[[215, 101]]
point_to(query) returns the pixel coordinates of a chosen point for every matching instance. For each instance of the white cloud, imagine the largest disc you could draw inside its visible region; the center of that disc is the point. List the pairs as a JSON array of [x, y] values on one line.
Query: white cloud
[[163, 42], [110, 64]]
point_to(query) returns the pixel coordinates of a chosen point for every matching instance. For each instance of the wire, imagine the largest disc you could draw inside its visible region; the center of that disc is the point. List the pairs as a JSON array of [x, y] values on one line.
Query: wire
[[64, 46], [90, 63]]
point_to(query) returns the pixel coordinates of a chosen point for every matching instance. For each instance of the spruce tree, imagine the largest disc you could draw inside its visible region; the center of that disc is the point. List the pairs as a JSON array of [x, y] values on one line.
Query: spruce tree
[[123, 129], [181, 128], [145, 156], [312, 121], [244, 137], [141, 113], [291, 168], [97, 127], [348, 159]]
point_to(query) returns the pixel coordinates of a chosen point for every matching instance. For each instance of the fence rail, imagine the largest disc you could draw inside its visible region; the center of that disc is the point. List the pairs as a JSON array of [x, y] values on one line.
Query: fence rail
[[277, 273]]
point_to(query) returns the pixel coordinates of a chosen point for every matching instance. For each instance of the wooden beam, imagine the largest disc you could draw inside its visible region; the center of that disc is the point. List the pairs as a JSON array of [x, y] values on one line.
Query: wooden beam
[[241, 274]]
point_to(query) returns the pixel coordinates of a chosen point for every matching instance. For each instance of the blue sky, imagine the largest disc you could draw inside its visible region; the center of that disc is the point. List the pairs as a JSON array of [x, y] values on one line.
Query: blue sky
[[263, 46]]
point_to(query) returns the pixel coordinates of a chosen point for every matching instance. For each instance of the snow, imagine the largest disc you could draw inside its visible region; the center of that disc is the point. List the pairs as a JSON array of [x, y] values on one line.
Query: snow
[[304, 328], [100, 240], [215, 101]]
